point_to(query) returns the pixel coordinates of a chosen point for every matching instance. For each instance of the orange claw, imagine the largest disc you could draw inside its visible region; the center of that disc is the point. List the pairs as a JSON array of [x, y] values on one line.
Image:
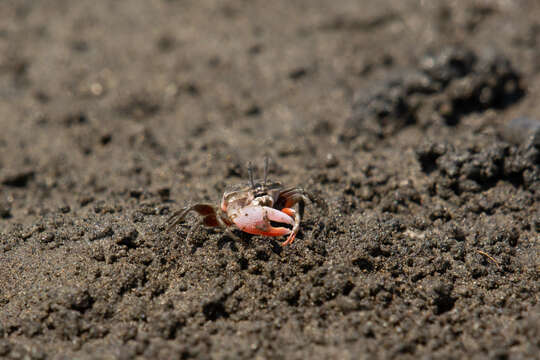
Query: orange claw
[[290, 239], [256, 220]]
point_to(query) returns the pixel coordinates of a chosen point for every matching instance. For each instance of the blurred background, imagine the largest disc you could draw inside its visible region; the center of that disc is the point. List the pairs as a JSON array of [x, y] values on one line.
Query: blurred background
[[401, 115]]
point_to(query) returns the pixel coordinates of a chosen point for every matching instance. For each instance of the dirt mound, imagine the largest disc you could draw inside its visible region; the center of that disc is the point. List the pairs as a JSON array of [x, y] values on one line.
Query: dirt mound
[[416, 125]]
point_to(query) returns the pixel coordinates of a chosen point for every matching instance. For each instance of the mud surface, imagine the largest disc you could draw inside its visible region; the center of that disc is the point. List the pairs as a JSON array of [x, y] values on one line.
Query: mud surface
[[417, 123]]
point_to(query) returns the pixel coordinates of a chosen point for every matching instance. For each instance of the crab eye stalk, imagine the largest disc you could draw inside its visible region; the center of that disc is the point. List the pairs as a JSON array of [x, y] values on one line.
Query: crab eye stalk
[[265, 169], [250, 172]]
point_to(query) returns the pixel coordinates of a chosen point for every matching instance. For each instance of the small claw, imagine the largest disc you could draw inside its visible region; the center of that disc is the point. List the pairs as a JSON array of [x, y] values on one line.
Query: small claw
[[289, 240], [256, 220], [292, 235]]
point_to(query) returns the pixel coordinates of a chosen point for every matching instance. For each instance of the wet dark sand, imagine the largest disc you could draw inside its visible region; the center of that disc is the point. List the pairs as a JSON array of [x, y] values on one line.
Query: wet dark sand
[[115, 114]]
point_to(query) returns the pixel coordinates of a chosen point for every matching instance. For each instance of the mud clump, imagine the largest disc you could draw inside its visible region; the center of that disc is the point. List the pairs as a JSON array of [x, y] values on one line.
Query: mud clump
[[473, 170], [444, 87], [421, 239]]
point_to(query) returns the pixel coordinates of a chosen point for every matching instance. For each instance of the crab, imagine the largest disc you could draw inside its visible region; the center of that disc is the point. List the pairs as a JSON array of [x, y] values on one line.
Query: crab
[[257, 208]]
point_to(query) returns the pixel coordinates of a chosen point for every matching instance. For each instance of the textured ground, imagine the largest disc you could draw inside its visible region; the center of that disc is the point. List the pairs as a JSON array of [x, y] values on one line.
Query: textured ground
[[401, 115]]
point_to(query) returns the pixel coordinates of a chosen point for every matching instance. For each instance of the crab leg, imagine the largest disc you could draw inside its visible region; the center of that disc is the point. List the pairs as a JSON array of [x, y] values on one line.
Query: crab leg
[[289, 197], [207, 211], [256, 220]]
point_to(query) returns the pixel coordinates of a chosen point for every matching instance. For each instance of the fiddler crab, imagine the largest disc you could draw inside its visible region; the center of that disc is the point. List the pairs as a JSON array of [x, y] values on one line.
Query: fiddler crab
[[256, 208]]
